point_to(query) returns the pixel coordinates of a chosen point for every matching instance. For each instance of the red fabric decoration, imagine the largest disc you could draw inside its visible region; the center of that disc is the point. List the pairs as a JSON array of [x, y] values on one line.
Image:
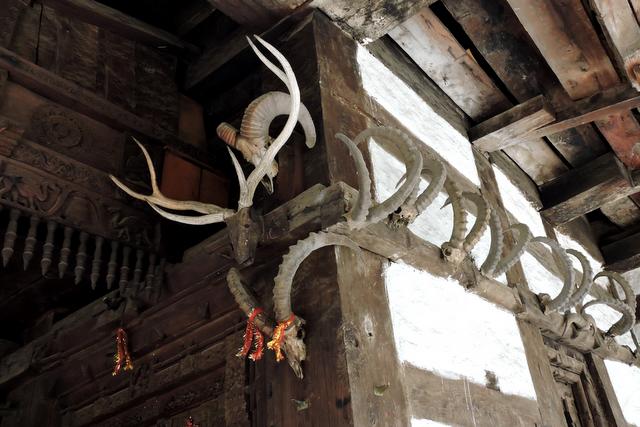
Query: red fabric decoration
[[122, 357], [278, 337], [190, 423], [252, 334]]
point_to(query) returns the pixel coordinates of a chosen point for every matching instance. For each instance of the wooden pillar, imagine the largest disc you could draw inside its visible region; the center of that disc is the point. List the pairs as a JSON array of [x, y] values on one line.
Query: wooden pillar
[[549, 402], [352, 375]]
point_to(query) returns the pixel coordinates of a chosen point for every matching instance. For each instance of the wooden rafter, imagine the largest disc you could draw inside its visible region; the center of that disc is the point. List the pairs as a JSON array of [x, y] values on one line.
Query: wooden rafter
[[585, 189], [99, 14], [424, 37]]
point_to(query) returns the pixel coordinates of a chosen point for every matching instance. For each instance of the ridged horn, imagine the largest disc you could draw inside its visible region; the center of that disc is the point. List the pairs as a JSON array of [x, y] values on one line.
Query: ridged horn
[[585, 283], [566, 269], [247, 302], [627, 307], [292, 260], [358, 214], [481, 223], [520, 245], [452, 250], [413, 164]]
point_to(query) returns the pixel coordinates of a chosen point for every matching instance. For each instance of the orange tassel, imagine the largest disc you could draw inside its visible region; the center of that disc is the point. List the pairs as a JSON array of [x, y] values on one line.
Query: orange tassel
[[252, 333], [278, 337], [122, 356]]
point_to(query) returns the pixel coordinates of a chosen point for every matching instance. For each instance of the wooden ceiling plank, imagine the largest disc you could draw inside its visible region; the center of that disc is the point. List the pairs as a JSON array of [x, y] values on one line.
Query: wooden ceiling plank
[[623, 212], [585, 189], [623, 32], [504, 44], [430, 44], [104, 16], [563, 33], [507, 128], [434, 49]]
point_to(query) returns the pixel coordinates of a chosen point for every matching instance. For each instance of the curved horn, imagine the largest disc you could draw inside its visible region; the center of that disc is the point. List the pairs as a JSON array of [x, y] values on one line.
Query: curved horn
[[520, 245], [452, 250], [261, 112], [585, 283], [416, 204], [359, 212], [292, 260], [627, 307], [247, 302], [482, 220], [566, 269], [413, 162], [496, 247], [289, 79]]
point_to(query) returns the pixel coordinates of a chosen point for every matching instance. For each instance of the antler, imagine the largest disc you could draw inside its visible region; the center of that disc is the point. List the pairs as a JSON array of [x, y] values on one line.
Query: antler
[[213, 213]]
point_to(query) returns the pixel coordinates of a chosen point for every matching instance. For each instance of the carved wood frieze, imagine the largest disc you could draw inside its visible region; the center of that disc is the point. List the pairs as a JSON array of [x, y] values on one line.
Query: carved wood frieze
[[37, 192]]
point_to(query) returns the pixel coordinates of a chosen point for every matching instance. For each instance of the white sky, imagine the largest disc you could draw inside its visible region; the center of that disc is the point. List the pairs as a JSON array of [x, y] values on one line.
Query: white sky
[[626, 384]]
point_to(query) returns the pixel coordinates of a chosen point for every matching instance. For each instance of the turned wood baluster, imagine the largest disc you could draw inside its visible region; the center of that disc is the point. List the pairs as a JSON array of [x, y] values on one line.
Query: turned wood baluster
[[10, 236], [137, 271], [113, 264], [30, 241], [65, 251], [81, 257], [97, 260], [150, 270], [47, 249], [124, 269]]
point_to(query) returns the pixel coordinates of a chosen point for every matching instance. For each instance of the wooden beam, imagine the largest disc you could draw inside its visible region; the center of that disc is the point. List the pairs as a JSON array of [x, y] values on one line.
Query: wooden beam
[[430, 44], [434, 49], [585, 189], [508, 128], [504, 44], [580, 62], [368, 20], [69, 94], [623, 32], [615, 100], [192, 16], [623, 254], [101, 15]]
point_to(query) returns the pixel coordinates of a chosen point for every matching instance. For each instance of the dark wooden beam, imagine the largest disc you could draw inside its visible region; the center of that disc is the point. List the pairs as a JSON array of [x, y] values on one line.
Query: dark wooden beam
[[585, 189], [623, 254], [101, 15], [69, 94], [507, 128], [192, 16]]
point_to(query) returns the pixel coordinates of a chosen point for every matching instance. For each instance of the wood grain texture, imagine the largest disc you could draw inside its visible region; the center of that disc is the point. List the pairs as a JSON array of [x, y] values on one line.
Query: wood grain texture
[[509, 127], [446, 401], [437, 52], [585, 189]]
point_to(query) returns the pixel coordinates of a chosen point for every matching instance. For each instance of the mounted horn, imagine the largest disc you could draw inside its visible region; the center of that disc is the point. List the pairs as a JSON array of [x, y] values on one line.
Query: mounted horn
[[356, 218], [494, 265], [253, 139], [461, 244], [627, 307], [283, 283], [585, 283], [244, 229], [566, 269], [416, 204]]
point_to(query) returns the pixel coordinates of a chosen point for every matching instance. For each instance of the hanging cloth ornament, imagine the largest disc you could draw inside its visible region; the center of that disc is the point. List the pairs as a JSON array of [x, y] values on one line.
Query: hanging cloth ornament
[[251, 333], [122, 357], [190, 423], [278, 337]]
